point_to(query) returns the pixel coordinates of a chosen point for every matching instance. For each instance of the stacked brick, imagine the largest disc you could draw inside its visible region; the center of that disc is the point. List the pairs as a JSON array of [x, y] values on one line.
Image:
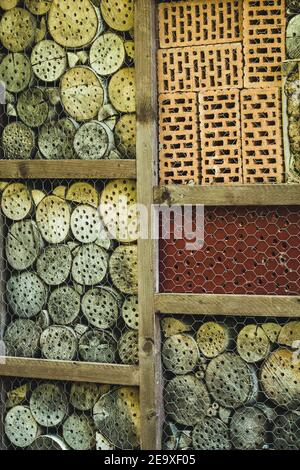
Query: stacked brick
[[219, 73]]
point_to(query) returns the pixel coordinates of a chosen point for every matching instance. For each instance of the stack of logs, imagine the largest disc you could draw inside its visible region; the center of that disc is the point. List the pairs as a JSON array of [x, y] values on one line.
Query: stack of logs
[[231, 384], [77, 416], [71, 290], [68, 71]]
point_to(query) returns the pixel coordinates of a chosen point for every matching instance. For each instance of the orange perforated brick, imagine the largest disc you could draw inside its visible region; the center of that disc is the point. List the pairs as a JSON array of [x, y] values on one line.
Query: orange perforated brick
[[200, 68], [220, 135], [264, 42], [179, 138], [197, 22], [262, 146]]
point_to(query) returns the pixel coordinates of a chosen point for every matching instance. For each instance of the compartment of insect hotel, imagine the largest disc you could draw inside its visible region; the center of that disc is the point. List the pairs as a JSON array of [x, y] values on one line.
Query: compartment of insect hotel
[[68, 71], [51, 415], [69, 280]]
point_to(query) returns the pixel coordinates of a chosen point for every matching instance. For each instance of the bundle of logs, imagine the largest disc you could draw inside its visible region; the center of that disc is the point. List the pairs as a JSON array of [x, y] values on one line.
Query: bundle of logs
[[77, 416], [68, 72], [231, 384], [71, 289]]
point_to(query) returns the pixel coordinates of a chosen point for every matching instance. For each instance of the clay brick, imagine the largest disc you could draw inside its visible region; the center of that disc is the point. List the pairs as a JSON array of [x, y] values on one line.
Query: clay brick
[[262, 146], [200, 68], [264, 42], [220, 135], [179, 138], [197, 22]]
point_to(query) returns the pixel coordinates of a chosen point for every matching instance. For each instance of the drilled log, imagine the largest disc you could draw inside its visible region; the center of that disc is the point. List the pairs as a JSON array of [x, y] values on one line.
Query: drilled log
[[93, 141], [54, 264], [272, 331], [32, 107], [82, 93], [123, 269], [293, 38], [83, 193], [86, 224], [121, 90], [119, 406], [79, 432], [83, 396], [48, 405], [16, 201], [90, 265], [118, 14], [38, 7], [37, 196], [100, 308], [26, 294], [18, 141], [130, 312], [125, 132], [107, 54], [23, 244], [213, 339], [48, 442], [64, 305], [20, 426], [8, 4], [17, 29], [22, 338], [248, 429], [210, 434], [98, 346], [53, 219], [286, 432], [102, 443], [128, 347], [253, 344], [49, 60], [17, 396], [231, 381], [186, 399], [55, 140], [108, 115], [180, 354], [15, 72], [130, 49], [172, 326], [290, 334], [59, 343]]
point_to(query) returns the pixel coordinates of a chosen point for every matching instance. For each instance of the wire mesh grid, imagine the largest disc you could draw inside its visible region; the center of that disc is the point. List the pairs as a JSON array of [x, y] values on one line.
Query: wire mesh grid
[[230, 383], [69, 291], [51, 415], [69, 81]]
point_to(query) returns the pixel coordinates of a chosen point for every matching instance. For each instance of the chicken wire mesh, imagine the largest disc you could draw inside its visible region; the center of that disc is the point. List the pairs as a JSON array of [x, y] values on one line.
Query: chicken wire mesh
[[51, 415], [67, 69], [230, 383], [68, 289]]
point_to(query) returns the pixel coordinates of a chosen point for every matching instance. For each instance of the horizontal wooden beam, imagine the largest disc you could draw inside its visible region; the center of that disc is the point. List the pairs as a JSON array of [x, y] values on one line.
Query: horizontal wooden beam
[[113, 374], [235, 305], [246, 195], [64, 169]]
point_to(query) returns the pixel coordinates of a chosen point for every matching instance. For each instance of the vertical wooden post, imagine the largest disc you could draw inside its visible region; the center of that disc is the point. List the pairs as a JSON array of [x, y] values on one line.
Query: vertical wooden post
[[147, 146], [2, 327]]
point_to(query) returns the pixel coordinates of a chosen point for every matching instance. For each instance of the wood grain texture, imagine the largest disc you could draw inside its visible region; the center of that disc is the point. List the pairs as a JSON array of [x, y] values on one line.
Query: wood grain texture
[[246, 195], [234, 305], [64, 370], [3, 384], [75, 169]]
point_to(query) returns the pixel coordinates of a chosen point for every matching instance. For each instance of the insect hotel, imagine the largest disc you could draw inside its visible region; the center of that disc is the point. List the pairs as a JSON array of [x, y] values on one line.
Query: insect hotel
[[113, 339]]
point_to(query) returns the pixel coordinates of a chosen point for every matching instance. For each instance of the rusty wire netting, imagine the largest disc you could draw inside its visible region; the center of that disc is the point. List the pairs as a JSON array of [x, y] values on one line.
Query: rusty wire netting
[[50, 415], [68, 71], [69, 290], [230, 383]]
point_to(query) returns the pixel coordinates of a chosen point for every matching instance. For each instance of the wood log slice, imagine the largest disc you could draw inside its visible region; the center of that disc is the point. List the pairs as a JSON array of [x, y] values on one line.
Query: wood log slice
[[125, 132], [180, 354], [20, 427], [286, 432], [64, 305], [18, 141], [82, 93], [107, 54], [90, 265], [123, 269], [231, 381], [253, 344], [43, 320], [37, 196], [73, 25], [83, 396], [109, 115], [23, 244], [98, 346], [17, 29], [86, 224], [130, 312], [49, 405], [102, 443], [93, 141], [38, 7], [53, 219], [172, 326], [130, 49], [15, 72], [119, 406], [79, 432], [272, 331], [49, 60], [17, 396], [22, 338], [128, 347], [16, 202], [280, 378], [101, 308], [186, 399], [26, 294], [55, 140], [210, 434], [33, 107], [8, 4], [213, 339], [293, 38], [118, 14], [248, 429], [48, 442], [83, 193], [290, 334], [59, 343], [121, 90], [54, 264]]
